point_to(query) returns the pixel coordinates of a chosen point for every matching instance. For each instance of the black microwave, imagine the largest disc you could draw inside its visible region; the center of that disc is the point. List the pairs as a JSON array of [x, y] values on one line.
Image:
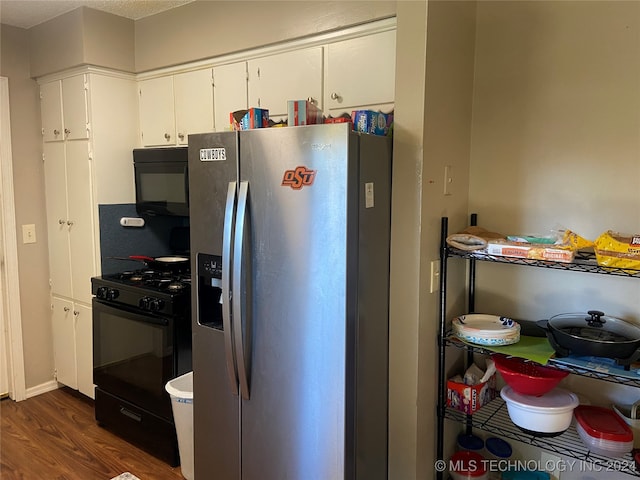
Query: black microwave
[[162, 181]]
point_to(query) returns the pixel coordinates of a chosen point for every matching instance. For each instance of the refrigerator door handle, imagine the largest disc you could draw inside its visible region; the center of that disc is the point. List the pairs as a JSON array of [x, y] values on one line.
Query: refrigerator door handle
[[241, 264], [227, 235]]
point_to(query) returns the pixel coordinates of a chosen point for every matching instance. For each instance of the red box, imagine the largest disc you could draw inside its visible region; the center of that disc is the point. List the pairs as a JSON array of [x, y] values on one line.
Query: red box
[[303, 112], [338, 120], [469, 398]]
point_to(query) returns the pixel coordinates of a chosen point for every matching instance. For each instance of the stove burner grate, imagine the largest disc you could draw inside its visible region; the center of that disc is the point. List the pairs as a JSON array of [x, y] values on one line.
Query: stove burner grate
[[172, 282]]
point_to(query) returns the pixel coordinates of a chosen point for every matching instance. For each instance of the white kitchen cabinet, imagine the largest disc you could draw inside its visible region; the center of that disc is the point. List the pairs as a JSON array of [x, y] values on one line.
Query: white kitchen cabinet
[[51, 108], [83, 261], [64, 107], [64, 342], [174, 106], [157, 116], [193, 103], [360, 73], [294, 75], [73, 355], [341, 74], [84, 349], [69, 218], [72, 259], [81, 174], [55, 179], [229, 92]]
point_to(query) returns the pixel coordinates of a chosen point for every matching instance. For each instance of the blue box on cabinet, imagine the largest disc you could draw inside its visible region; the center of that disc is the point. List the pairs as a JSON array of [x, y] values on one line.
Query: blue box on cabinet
[[368, 121], [249, 119]]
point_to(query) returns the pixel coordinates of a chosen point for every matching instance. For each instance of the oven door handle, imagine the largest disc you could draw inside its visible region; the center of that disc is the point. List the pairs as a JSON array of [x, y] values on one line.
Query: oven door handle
[[241, 287], [131, 313], [227, 235]]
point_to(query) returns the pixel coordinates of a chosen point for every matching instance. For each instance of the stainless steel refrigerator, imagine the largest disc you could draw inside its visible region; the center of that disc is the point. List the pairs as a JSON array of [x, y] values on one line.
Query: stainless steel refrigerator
[[290, 233]]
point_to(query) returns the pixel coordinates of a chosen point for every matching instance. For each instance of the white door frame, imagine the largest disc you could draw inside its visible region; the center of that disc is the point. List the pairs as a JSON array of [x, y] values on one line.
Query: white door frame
[[10, 281]]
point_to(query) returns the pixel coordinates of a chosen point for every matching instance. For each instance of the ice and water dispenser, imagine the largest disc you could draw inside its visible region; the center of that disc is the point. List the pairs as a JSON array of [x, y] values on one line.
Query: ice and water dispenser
[[209, 290]]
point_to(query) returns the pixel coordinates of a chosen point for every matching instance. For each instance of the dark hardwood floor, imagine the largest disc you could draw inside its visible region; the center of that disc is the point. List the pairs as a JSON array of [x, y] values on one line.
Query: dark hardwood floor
[[55, 436]]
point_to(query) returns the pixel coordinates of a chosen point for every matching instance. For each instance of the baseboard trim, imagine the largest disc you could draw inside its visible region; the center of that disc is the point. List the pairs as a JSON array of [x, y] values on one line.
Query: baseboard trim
[[42, 388]]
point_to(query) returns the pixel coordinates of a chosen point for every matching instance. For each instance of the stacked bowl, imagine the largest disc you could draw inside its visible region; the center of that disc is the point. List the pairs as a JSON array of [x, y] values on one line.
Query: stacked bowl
[[534, 403]]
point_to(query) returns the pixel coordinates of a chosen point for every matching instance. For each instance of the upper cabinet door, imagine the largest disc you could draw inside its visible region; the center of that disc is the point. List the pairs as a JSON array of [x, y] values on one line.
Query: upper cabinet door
[[361, 72], [229, 92], [55, 183], [157, 117], [74, 108], [80, 210], [51, 111], [295, 75], [193, 103]]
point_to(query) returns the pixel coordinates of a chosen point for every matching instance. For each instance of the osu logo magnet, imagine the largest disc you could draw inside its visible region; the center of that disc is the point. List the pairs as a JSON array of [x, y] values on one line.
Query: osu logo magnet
[[298, 178]]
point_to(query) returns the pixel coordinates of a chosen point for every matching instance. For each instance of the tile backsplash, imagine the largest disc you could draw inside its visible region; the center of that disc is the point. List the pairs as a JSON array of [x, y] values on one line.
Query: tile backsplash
[[153, 240]]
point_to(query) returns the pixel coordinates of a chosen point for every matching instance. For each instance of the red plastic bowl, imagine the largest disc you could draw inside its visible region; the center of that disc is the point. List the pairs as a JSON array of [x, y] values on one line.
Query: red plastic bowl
[[528, 378]]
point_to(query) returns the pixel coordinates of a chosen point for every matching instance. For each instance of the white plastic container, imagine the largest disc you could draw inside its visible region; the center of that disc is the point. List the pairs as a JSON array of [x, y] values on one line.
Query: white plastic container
[[547, 415], [602, 431], [634, 423], [180, 390]]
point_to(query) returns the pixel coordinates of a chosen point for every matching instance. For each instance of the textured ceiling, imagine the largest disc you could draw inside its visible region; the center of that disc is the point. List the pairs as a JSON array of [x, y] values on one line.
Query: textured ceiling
[[27, 13]]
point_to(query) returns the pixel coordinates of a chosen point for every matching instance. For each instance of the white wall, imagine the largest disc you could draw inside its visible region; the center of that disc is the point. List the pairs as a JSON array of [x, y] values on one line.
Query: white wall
[[556, 140], [28, 178], [434, 80]]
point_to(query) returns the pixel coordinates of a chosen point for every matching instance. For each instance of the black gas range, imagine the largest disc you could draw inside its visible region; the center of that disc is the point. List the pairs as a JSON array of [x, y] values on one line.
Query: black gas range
[[165, 292], [141, 340]]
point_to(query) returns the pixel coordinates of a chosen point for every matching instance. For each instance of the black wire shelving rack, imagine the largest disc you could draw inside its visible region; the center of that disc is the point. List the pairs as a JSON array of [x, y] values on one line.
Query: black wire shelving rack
[[494, 418]]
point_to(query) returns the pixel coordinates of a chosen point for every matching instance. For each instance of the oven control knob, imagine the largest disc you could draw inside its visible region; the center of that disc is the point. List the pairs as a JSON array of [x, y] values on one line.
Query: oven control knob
[[101, 292], [112, 294], [151, 304], [144, 303], [156, 304]]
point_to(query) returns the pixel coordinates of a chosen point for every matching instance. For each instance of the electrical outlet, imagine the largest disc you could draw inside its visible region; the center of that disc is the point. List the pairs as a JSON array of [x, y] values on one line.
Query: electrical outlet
[[435, 276], [29, 233]]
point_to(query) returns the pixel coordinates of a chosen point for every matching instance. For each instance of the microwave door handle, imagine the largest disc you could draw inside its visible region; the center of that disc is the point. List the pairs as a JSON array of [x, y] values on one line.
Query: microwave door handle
[[229, 220], [241, 321]]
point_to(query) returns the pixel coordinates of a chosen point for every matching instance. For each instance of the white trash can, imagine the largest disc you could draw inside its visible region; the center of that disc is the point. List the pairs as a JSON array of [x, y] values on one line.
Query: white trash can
[[181, 391]]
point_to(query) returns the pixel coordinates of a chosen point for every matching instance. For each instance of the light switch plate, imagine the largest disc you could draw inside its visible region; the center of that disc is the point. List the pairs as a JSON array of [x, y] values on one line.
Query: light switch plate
[[29, 233], [448, 179], [435, 276], [369, 196]]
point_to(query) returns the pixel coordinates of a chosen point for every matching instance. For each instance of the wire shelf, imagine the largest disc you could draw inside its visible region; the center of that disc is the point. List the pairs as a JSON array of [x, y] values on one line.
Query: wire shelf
[[565, 364], [583, 262], [494, 418]]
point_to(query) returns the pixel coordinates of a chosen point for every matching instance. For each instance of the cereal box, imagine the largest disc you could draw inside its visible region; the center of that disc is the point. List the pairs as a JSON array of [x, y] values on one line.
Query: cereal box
[[249, 119]]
